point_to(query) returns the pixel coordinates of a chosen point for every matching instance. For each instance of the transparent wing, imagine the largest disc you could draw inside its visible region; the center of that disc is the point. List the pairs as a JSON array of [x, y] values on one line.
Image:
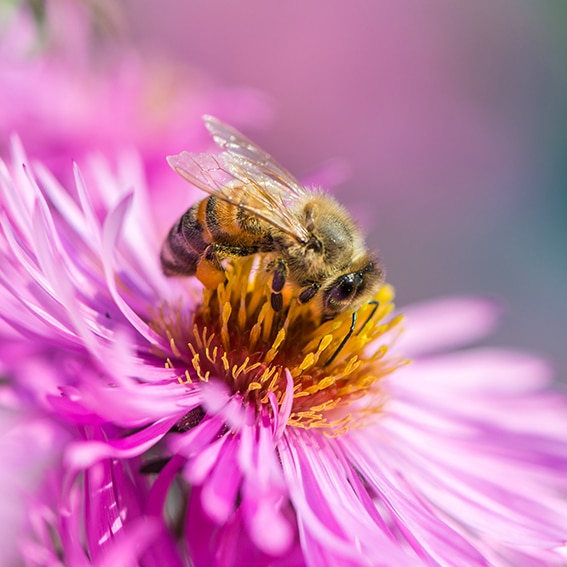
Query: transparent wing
[[245, 176], [241, 153]]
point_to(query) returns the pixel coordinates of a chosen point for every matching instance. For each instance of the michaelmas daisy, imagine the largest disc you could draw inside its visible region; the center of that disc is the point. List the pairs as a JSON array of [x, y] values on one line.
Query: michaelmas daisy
[[186, 426]]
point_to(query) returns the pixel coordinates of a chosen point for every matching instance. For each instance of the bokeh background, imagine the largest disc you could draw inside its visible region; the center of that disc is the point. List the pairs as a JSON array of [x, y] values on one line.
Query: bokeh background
[[447, 124], [451, 116]]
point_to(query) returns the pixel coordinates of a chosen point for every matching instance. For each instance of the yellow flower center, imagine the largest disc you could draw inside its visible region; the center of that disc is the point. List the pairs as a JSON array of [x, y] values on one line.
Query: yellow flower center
[[235, 336]]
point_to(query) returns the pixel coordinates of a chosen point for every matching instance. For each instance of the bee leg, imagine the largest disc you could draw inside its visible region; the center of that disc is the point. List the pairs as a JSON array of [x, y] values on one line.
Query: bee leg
[[374, 309], [308, 293], [278, 282], [209, 269], [344, 341]]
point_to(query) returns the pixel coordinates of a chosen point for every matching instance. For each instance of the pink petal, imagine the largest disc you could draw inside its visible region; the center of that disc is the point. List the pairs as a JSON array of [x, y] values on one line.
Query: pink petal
[[80, 455], [445, 324]]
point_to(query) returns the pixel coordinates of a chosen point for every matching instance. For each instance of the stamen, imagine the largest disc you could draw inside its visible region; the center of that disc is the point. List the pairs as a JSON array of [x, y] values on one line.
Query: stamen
[[308, 361], [225, 362], [257, 328], [212, 358], [270, 355], [197, 337], [236, 373], [325, 342], [268, 374], [272, 384], [226, 311], [251, 352]]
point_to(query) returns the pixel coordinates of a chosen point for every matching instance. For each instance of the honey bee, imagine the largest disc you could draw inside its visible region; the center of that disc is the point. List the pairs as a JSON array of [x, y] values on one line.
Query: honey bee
[[255, 206]]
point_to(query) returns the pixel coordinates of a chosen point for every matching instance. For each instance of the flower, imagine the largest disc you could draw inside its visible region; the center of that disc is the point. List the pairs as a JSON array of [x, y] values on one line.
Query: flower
[[202, 428], [29, 444]]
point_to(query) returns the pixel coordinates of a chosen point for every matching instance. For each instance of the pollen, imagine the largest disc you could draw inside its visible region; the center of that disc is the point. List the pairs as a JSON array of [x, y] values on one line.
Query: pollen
[[235, 336]]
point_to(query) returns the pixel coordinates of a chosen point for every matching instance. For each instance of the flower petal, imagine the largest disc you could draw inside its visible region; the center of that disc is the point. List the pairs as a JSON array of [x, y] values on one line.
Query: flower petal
[[446, 323]]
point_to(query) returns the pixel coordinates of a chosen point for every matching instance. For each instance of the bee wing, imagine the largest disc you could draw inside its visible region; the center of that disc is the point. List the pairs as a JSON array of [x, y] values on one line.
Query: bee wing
[[245, 176], [241, 153]]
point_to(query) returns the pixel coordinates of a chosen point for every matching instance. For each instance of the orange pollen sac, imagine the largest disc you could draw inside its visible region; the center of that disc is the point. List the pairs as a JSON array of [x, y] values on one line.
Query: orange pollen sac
[[235, 336]]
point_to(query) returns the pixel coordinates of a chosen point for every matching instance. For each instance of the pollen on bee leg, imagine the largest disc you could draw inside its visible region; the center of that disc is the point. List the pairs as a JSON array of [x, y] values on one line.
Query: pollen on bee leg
[[209, 274]]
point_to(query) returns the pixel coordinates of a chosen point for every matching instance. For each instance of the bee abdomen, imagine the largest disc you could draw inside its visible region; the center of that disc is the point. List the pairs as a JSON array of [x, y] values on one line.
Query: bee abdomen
[[184, 245], [223, 221], [214, 227]]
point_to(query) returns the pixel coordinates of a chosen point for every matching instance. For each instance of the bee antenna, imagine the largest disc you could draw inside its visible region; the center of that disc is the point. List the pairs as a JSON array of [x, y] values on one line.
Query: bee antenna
[[344, 341], [376, 305], [351, 330]]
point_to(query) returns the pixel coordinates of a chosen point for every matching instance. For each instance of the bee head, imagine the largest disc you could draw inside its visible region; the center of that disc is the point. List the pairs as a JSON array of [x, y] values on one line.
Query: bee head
[[349, 290]]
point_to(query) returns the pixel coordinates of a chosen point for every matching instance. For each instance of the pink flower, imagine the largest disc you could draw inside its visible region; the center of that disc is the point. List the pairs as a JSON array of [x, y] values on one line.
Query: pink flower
[[201, 430]]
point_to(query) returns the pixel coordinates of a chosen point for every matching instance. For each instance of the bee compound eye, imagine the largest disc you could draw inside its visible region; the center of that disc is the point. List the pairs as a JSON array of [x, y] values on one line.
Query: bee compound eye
[[343, 289]]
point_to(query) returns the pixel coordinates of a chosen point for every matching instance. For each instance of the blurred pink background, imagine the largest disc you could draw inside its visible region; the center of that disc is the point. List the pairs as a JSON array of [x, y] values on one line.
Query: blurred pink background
[[451, 116]]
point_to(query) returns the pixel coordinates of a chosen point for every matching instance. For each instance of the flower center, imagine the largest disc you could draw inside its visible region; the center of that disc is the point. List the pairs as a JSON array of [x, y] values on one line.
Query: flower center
[[235, 336]]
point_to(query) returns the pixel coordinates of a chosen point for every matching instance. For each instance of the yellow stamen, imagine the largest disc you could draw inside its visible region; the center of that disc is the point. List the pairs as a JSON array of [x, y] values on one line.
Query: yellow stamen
[[225, 362], [237, 371], [173, 346], [251, 351], [270, 355]]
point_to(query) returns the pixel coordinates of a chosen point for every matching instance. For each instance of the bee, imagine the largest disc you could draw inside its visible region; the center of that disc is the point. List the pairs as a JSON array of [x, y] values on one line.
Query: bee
[[256, 207]]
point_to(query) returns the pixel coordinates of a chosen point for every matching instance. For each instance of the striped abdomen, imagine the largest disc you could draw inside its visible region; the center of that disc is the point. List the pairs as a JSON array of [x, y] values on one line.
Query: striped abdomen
[[208, 232]]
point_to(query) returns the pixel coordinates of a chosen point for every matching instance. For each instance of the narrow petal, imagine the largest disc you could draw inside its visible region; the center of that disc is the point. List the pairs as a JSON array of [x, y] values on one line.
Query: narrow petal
[[80, 455], [335, 527]]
